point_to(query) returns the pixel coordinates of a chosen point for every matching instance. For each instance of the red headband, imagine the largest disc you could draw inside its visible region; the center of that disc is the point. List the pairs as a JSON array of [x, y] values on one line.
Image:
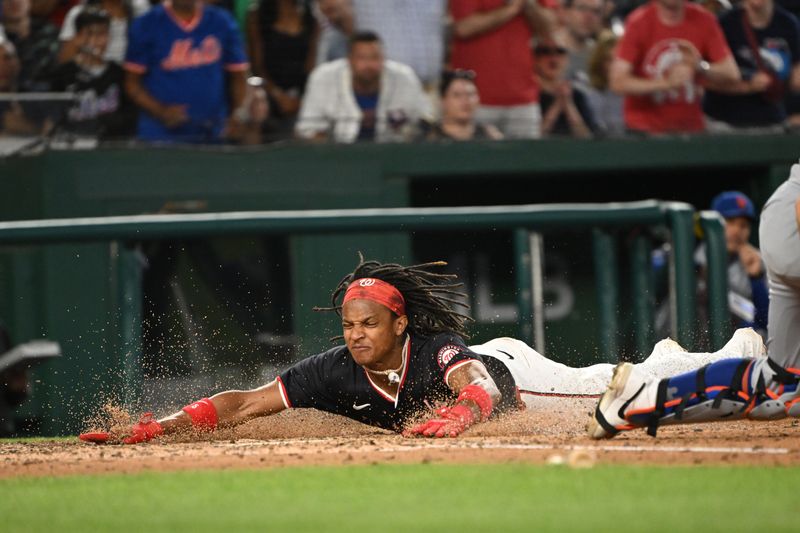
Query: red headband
[[377, 291]]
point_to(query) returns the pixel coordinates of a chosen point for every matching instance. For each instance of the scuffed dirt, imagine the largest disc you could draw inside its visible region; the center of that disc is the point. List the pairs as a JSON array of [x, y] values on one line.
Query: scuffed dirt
[[308, 438]]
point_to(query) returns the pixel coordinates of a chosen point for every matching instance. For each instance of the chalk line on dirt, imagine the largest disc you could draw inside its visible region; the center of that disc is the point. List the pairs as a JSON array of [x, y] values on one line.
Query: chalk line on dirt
[[461, 445]]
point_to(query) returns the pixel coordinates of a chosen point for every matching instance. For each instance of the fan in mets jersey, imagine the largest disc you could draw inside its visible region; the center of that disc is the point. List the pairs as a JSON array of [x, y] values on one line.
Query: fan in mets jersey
[[404, 366]]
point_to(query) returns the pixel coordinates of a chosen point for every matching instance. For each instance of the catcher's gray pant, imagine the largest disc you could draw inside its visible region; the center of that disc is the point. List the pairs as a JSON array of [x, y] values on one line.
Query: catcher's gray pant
[[780, 248]]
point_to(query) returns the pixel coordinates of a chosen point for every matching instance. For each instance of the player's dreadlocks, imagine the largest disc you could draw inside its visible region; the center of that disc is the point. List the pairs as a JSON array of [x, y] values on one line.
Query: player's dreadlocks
[[430, 297]]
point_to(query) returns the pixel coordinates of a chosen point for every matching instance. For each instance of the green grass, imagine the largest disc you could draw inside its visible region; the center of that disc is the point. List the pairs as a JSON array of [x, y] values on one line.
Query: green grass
[[413, 498]]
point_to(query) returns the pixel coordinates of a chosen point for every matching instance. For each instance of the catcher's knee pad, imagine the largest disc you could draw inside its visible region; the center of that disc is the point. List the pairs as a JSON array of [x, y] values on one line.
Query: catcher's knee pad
[[759, 389]]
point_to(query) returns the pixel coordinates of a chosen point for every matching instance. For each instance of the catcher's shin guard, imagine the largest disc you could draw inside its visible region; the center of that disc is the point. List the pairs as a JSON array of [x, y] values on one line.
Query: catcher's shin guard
[[730, 389]]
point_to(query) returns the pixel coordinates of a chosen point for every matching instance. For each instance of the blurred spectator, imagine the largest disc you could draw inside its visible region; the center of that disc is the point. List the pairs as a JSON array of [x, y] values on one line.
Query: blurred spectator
[[765, 40], [122, 12], [459, 100], [282, 37], [581, 21], [493, 38], [101, 108], [336, 22], [17, 118], [248, 129], [35, 42], [605, 104], [565, 109], [412, 32], [748, 297], [362, 98], [668, 46], [178, 56], [792, 98]]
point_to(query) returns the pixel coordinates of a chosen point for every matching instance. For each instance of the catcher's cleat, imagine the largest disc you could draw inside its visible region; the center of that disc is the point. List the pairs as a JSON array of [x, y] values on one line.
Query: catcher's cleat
[[609, 416]]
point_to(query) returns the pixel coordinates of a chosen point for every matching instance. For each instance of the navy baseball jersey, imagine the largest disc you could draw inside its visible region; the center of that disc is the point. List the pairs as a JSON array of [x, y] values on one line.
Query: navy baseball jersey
[[332, 381], [184, 63]]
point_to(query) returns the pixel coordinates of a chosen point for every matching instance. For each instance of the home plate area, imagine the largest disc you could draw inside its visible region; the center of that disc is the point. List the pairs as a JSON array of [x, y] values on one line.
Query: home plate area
[[303, 437]]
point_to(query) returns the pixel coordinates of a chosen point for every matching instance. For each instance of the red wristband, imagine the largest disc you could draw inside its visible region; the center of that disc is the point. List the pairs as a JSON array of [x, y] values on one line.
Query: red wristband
[[203, 414], [481, 398]]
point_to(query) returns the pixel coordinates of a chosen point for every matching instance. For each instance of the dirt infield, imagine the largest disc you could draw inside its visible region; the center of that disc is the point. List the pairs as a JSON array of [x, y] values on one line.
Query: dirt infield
[[306, 437]]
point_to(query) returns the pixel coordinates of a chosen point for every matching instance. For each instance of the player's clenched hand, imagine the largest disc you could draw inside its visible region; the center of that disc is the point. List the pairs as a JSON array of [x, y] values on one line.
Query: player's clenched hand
[[147, 428], [447, 422]]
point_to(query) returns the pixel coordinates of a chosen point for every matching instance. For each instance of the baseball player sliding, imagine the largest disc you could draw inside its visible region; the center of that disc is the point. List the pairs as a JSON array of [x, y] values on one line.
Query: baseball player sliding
[[759, 389], [405, 366]]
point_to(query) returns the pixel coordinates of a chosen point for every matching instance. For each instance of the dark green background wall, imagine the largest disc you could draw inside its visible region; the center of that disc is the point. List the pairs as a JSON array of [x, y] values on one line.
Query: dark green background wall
[[68, 293]]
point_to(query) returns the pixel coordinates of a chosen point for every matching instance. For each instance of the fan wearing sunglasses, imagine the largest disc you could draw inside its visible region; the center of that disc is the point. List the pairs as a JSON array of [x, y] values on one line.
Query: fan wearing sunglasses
[[565, 107]]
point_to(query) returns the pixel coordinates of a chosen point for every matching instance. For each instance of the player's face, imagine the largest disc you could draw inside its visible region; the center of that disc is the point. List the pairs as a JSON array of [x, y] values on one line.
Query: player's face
[[551, 61], [737, 233], [366, 62], [96, 38], [184, 5], [372, 333], [460, 101]]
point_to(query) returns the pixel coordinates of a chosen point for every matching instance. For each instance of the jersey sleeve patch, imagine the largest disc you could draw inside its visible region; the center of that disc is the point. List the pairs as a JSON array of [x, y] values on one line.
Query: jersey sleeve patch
[[446, 354]]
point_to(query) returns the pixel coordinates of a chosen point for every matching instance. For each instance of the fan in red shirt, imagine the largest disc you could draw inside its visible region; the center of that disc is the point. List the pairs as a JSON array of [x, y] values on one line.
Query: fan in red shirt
[[669, 49], [493, 39]]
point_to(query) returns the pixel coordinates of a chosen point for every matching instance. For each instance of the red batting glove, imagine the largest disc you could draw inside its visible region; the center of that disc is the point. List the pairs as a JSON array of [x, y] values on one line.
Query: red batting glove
[[144, 430], [448, 422], [98, 437]]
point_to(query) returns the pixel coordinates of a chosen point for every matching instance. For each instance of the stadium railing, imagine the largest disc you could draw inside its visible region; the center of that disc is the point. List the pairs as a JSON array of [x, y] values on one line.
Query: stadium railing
[[525, 220]]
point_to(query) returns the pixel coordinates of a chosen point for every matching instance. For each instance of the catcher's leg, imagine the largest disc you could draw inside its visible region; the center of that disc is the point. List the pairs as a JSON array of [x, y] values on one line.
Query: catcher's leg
[[669, 358], [758, 389]]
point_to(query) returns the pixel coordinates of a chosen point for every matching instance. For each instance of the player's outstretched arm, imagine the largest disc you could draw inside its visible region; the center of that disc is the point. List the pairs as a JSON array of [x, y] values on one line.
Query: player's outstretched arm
[[477, 395], [227, 408]]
